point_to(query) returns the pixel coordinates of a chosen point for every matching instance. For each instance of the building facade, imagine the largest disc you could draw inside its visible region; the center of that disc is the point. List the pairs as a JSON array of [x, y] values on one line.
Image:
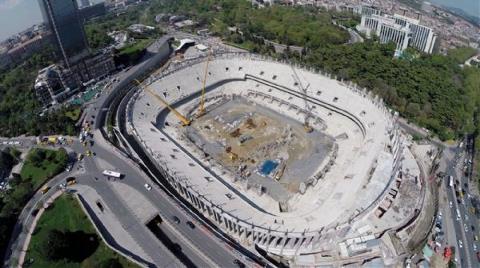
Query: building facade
[[92, 11], [53, 84], [63, 19], [94, 67], [401, 30]]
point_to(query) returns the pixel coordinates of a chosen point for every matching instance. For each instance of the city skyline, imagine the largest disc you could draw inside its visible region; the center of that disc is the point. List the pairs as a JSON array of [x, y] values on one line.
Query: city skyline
[[18, 15]]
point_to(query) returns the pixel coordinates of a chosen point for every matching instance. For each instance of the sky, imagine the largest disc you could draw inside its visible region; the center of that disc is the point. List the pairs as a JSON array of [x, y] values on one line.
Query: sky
[[17, 15]]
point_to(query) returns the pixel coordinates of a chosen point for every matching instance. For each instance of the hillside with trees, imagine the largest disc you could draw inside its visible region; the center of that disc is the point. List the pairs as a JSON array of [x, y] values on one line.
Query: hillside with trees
[[19, 107], [430, 90]]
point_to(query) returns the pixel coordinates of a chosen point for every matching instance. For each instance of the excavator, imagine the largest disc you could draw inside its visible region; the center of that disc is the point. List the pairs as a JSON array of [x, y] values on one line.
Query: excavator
[[183, 119]]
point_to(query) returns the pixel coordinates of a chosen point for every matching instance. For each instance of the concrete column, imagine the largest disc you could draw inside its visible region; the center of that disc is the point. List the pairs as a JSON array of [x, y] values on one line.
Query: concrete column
[[235, 228], [284, 243]]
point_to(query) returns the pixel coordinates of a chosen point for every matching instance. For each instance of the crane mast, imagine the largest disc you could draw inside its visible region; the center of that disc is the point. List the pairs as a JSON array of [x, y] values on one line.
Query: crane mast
[[201, 107], [308, 108]]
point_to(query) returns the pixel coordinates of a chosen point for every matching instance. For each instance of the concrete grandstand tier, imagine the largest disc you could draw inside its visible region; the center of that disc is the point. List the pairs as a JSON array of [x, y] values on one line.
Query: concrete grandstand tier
[[306, 194]]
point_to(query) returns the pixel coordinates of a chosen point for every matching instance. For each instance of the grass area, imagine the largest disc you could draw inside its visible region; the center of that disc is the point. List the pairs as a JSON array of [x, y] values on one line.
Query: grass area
[[135, 47], [246, 45], [42, 164], [66, 215], [73, 114]]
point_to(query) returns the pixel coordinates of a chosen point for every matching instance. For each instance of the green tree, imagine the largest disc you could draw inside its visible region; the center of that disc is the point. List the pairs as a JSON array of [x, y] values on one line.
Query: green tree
[[111, 263]]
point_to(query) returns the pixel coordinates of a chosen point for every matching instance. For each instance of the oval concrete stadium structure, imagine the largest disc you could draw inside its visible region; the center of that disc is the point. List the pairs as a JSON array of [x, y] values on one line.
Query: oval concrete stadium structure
[[342, 205]]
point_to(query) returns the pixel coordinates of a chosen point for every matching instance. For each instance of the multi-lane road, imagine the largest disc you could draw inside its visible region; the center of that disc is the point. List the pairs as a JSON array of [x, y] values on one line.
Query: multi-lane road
[[202, 248], [198, 245], [465, 222]]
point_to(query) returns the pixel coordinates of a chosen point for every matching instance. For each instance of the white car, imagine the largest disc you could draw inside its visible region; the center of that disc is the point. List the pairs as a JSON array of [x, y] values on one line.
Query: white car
[[148, 186], [451, 204], [474, 247], [460, 244]]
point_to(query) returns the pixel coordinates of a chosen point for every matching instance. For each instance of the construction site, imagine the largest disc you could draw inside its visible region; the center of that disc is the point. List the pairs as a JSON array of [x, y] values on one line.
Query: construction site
[[273, 153], [306, 167]]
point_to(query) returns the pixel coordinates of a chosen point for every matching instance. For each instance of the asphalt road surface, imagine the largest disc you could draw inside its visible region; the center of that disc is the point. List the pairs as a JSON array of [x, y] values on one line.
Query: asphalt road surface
[[464, 221]]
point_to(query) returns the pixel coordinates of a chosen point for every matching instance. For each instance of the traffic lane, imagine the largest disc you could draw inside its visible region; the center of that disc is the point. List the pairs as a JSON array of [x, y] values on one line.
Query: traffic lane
[[217, 251], [27, 215], [199, 235], [457, 223], [138, 231], [101, 182], [458, 231], [467, 244], [468, 218]]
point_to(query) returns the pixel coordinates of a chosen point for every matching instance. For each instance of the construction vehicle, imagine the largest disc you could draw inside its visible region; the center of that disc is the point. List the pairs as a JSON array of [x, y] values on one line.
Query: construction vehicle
[[183, 119], [233, 156], [308, 108], [278, 175], [201, 107]]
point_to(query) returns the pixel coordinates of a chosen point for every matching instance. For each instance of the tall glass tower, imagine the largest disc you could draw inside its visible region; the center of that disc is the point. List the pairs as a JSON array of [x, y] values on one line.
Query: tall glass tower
[[61, 17]]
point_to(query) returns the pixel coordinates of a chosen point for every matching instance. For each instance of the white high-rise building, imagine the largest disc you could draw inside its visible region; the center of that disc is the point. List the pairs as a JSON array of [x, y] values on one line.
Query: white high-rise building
[[401, 30]]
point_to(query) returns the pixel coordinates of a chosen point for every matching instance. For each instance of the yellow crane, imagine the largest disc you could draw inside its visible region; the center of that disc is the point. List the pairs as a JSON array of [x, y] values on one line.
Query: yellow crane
[[183, 119], [201, 107]]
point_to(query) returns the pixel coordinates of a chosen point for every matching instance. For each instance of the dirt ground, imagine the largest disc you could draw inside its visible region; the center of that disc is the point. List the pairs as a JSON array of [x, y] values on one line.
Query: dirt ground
[[241, 136]]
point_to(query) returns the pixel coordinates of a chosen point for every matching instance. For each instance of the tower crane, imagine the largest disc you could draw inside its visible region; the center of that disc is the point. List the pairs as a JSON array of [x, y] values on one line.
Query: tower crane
[[183, 119], [308, 108], [201, 107]]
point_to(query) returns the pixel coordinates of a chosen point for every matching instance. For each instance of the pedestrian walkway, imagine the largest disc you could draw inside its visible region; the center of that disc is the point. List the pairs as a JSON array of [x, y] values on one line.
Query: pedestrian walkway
[[31, 229]]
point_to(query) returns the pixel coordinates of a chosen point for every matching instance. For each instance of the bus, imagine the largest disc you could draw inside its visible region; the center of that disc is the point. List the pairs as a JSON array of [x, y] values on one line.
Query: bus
[[110, 173], [450, 181]]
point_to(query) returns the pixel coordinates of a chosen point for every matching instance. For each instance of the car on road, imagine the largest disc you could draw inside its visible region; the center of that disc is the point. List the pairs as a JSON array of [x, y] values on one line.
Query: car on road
[[460, 244], [474, 247], [190, 224], [176, 219], [148, 186], [70, 181], [34, 212], [45, 189], [451, 204], [465, 227]]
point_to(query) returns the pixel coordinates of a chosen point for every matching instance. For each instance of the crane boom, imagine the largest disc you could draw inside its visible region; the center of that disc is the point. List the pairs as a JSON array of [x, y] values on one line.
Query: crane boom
[[201, 108], [183, 119]]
